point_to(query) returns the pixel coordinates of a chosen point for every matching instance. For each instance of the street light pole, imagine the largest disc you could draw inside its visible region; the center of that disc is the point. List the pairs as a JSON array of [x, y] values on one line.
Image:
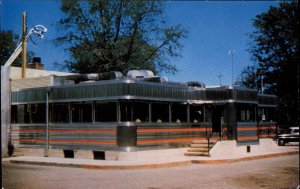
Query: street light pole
[[24, 44], [220, 78], [5, 82], [231, 52]]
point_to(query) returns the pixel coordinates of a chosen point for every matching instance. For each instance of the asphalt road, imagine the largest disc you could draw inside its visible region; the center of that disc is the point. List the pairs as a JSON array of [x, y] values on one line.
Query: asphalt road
[[280, 172]]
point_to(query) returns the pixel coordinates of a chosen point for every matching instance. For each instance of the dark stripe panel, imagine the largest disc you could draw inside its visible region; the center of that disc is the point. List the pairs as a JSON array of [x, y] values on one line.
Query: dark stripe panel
[[267, 131], [161, 135], [65, 136], [168, 140], [247, 138], [246, 131]]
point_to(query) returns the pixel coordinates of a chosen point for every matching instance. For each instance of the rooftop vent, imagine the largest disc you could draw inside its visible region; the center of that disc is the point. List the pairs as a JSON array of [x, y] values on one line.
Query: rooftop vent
[[156, 79], [196, 84], [140, 74]]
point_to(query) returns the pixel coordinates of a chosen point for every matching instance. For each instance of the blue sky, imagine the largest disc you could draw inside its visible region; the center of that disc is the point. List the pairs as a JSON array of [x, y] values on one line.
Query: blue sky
[[215, 27]]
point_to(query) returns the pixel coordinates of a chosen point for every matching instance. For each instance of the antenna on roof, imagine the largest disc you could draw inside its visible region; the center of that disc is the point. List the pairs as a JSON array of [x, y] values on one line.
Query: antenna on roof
[[220, 78]]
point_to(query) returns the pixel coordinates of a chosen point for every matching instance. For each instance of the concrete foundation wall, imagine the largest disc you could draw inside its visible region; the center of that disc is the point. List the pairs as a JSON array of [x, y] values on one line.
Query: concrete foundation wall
[[152, 154], [109, 155], [226, 148]]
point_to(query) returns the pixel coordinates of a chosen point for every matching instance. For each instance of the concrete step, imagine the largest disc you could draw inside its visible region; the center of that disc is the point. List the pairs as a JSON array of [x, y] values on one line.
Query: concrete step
[[199, 141], [200, 145], [196, 154], [200, 148], [197, 150], [203, 142]]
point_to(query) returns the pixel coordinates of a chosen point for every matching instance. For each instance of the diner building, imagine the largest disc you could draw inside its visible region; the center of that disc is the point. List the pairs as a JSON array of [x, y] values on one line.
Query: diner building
[[140, 111]]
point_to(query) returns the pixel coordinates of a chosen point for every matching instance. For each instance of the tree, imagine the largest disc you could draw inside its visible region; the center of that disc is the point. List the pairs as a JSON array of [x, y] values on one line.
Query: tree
[[8, 43], [105, 35], [275, 52]]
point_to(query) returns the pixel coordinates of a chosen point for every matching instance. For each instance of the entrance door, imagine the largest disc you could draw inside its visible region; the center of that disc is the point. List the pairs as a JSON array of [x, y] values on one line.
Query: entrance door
[[216, 119]]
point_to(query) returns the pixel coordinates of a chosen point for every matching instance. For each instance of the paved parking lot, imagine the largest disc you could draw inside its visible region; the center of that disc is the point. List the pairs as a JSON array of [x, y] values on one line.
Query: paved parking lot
[[280, 172]]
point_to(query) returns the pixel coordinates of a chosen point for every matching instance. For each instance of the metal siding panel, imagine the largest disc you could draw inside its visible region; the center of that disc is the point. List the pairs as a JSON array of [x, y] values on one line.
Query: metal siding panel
[[247, 131], [160, 135]]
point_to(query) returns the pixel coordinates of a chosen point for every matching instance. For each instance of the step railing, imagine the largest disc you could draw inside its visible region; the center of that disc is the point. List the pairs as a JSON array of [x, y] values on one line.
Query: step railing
[[208, 144]]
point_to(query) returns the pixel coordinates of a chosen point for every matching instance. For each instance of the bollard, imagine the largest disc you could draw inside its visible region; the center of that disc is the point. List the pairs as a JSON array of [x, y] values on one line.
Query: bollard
[[248, 149]]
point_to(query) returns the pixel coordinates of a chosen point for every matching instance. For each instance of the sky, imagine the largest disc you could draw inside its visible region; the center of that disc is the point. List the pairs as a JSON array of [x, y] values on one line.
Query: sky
[[214, 28]]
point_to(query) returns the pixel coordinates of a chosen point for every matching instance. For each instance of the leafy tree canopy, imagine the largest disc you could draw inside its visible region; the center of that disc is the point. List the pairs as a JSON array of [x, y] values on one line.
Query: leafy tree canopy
[[275, 53], [106, 35], [8, 43]]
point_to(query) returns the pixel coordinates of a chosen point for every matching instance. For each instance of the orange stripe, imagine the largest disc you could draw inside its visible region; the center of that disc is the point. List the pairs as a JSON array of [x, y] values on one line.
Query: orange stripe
[[247, 137], [139, 142], [66, 141], [65, 131], [83, 131], [247, 129], [171, 130], [263, 128], [29, 140], [268, 135], [28, 130], [84, 141]]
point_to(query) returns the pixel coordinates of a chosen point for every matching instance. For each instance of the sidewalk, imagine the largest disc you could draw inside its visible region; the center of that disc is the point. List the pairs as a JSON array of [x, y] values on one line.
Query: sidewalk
[[158, 162]]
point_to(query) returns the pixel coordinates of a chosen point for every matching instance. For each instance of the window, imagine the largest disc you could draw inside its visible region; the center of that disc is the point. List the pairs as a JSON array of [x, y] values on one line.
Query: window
[[28, 113], [160, 112], [179, 113], [134, 111], [105, 112], [245, 112], [14, 114], [141, 112], [60, 112], [196, 114], [266, 114], [81, 112], [38, 113]]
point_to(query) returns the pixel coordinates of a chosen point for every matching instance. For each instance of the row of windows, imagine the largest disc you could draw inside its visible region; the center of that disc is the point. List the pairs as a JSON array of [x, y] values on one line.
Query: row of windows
[[266, 114], [88, 112], [246, 112]]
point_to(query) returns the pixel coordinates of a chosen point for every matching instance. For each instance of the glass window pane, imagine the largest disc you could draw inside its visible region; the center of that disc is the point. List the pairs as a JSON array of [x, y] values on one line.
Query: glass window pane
[[196, 114], [14, 114], [60, 112], [81, 112], [106, 112], [179, 113], [126, 111], [38, 113], [22, 113], [160, 112], [246, 112], [141, 112]]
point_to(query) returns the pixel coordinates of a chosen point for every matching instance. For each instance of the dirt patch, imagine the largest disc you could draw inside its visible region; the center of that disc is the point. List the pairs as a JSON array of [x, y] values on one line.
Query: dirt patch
[[279, 178]]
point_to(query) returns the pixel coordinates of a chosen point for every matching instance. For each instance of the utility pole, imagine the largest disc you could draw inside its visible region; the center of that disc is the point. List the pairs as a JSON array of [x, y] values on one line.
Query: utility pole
[[231, 52], [220, 78], [24, 43], [260, 73], [38, 30], [262, 84]]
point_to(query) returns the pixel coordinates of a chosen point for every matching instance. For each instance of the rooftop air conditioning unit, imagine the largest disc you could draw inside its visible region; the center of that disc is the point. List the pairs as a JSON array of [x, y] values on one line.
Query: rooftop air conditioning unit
[[140, 73]]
